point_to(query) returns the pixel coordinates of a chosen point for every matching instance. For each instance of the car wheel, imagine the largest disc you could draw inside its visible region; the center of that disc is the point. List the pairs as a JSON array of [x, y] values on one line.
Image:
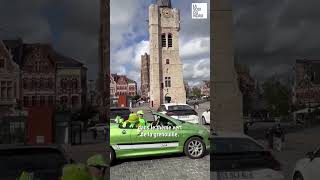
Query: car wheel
[[194, 148], [112, 156], [297, 176], [203, 120]]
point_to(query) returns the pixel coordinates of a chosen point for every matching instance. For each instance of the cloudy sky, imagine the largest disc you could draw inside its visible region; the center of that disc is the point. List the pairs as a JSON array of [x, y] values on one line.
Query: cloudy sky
[[269, 34]]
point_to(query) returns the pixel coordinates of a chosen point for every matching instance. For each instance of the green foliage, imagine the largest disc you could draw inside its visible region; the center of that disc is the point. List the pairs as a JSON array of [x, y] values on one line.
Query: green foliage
[[196, 91], [277, 97]]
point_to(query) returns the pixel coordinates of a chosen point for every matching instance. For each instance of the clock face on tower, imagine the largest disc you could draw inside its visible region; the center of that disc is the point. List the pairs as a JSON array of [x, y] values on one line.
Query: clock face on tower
[[166, 13]]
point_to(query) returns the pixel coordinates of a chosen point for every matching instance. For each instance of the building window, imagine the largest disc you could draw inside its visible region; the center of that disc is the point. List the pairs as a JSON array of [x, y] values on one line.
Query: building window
[[34, 100], [170, 40], [167, 61], [50, 100], [42, 100], [167, 82], [64, 100], [25, 101], [42, 84], [50, 83], [25, 83], [163, 40], [74, 83], [74, 100], [63, 83], [34, 83], [1, 63]]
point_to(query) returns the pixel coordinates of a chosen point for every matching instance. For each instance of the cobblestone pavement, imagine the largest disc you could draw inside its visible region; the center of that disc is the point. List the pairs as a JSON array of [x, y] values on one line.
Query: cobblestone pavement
[[171, 167]]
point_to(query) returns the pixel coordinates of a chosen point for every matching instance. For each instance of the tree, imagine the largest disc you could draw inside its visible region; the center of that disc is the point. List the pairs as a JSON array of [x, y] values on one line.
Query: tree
[[277, 96], [196, 91]]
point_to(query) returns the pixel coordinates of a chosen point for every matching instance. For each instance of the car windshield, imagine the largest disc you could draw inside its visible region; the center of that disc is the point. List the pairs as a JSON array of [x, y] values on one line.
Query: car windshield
[[119, 112], [12, 162], [167, 117], [235, 145], [179, 108]]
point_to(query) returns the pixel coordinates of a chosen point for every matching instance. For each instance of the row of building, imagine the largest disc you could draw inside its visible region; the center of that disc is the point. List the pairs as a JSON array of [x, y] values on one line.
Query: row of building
[[122, 85], [306, 89], [36, 74]]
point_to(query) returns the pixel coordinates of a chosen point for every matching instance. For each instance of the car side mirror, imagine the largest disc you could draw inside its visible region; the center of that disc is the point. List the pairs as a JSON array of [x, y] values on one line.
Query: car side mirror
[[310, 155]]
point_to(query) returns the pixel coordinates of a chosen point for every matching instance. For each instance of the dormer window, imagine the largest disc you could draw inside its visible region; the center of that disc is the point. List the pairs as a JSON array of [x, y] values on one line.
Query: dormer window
[[1, 63]]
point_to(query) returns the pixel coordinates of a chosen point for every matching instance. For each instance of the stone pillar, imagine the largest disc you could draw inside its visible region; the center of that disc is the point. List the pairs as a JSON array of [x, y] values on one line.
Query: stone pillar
[[227, 99]]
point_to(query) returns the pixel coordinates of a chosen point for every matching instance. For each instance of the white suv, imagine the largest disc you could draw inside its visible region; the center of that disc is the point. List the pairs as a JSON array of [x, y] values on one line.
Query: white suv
[[183, 112], [308, 168]]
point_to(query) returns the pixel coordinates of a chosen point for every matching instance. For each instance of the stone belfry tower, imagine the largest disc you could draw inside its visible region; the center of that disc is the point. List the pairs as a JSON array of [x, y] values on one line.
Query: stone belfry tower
[[166, 70]]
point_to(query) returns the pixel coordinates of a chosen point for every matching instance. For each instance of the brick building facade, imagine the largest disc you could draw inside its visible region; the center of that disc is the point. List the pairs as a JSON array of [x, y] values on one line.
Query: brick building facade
[[124, 85], [306, 90], [9, 78], [47, 77], [205, 88]]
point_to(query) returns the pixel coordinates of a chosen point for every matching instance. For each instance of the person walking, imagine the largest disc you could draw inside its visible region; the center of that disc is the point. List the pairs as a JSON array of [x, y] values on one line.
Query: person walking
[[142, 121], [269, 137], [279, 137]]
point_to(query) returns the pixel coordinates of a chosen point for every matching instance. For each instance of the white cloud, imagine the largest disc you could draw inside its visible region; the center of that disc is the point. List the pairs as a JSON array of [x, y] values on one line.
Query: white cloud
[[140, 49], [196, 70], [195, 47]]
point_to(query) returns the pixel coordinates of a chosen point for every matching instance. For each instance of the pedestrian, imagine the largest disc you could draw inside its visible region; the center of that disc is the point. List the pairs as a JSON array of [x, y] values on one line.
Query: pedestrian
[[245, 128], [269, 137], [97, 167], [197, 105], [279, 137]]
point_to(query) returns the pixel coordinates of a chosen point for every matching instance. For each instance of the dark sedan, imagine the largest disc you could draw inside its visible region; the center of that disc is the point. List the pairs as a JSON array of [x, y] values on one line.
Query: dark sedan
[[46, 162]]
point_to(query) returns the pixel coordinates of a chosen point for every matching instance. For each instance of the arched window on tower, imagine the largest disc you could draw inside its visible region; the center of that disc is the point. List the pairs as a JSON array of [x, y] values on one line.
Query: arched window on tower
[[170, 40], [167, 61], [163, 40]]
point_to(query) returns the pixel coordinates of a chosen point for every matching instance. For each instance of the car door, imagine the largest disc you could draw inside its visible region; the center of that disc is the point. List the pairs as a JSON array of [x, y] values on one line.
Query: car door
[[121, 138], [315, 166], [158, 139]]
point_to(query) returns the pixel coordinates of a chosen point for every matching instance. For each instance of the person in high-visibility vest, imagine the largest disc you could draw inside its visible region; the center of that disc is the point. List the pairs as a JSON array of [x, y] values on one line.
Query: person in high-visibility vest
[[97, 167], [142, 121]]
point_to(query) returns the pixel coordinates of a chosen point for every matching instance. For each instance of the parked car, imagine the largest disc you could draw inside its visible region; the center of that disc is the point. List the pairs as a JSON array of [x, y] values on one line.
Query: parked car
[[46, 162], [191, 139], [237, 156], [123, 112], [205, 117], [308, 168], [182, 112]]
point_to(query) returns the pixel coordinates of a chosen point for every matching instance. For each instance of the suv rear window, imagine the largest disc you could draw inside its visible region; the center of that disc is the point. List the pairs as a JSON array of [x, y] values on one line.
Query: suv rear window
[[179, 108], [235, 145]]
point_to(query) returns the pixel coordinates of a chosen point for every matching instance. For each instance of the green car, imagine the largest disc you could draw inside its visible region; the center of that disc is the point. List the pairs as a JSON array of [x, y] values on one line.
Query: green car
[[163, 135]]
